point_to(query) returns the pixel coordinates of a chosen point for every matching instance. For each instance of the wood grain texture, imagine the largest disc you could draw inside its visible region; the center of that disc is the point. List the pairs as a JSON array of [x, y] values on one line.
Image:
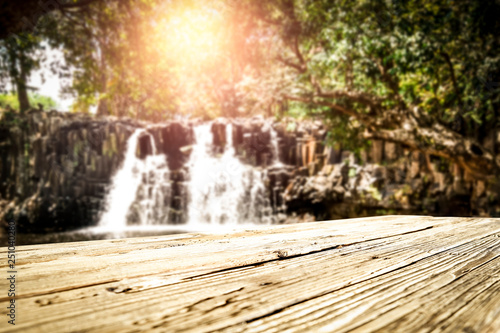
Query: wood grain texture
[[384, 274]]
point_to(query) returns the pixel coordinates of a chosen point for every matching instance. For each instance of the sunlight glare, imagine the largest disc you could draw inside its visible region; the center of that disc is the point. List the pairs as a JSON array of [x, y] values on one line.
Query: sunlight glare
[[193, 35]]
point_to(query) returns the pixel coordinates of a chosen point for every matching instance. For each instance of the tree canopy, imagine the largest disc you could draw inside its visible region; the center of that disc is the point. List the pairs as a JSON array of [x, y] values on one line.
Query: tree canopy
[[421, 73], [424, 73]]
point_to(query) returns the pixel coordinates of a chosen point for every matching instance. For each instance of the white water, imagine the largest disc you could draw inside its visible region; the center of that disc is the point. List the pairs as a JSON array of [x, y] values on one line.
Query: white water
[[152, 204], [276, 151], [139, 189], [223, 190]]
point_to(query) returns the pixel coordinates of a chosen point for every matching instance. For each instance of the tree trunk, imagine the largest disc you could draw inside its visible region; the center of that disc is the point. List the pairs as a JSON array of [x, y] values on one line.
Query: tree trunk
[[22, 90], [103, 107]]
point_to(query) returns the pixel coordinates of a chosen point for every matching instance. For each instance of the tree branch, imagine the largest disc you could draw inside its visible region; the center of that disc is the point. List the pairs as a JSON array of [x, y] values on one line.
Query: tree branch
[[296, 50], [440, 141], [392, 83], [338, 108], [289, 63], [447, 58], [356, 96]]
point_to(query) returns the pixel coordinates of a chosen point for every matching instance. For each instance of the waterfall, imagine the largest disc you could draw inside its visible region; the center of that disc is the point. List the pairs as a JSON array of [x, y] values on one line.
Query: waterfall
[[123, 188], [152, 204], [276, 151], [223, 190], [139, 191]]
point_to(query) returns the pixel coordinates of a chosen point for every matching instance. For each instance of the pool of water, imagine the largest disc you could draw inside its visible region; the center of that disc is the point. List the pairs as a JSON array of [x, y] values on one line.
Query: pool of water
[[99, 233]]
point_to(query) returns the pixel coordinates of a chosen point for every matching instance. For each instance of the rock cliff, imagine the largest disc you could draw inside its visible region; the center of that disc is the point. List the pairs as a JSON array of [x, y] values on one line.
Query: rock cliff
[[56, 168], [329, 182]]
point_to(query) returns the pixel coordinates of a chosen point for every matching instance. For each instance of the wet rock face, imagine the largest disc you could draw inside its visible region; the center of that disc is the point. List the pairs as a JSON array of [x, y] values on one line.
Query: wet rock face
[[145, 145], [218, 130], [405, 186], [171, 139], [301, 143], [252, 140], [180, 197], [279, 176], [56, 168]]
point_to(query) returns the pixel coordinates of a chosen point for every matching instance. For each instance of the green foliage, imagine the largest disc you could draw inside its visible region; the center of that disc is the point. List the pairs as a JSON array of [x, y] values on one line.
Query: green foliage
[[19, 56], [18, 52], [47, 102], [154, 59], [375, 193], [347, 131], [11, 101], [440, 56]]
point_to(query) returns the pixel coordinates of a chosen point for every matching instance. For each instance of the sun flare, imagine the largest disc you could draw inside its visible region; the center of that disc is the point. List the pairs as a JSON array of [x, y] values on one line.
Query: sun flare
[[193, 35]]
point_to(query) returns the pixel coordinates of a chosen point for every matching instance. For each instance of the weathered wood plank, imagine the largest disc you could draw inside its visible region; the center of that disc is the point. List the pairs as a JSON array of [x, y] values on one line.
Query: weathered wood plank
[[404, 300], [110, 261], [353, 275]]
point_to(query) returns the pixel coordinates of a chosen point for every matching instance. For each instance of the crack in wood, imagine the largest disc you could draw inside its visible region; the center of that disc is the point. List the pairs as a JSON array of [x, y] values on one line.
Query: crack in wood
[[307, 281], [350, 284]]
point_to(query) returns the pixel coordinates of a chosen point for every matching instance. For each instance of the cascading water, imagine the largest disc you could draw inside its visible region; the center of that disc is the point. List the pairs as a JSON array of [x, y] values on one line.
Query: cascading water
[[152, 204], [123, 188], [276, 151], [223, 190], [140, 189]]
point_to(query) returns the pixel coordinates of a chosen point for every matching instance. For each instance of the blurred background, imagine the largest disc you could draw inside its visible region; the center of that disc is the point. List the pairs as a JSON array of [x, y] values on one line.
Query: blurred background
[[146, 117]]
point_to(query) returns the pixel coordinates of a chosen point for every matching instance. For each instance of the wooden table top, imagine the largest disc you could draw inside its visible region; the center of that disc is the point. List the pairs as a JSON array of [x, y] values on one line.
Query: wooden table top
[[380, 274]]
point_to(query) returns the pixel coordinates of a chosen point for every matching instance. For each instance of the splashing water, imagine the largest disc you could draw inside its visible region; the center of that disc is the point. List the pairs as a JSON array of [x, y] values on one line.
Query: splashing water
[[139, 191], [223, 190], [152, 205]]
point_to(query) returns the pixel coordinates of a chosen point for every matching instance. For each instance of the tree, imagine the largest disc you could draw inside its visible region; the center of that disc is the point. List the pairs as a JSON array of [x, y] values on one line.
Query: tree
[[10, 101], [121, 58], [421, 73], [99, 39], [102, 41], [19, 56], [150, 59], [22, 16], [23, 30]]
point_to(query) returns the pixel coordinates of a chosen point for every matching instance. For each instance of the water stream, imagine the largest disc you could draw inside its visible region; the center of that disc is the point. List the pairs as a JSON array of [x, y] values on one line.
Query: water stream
[[221, 189], [123, 189], [276, 151], [139, 194]]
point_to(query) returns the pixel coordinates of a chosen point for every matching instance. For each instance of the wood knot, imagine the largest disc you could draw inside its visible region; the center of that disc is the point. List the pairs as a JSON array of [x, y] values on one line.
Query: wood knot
[[281, 253], [43, 302], [118, 290]]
